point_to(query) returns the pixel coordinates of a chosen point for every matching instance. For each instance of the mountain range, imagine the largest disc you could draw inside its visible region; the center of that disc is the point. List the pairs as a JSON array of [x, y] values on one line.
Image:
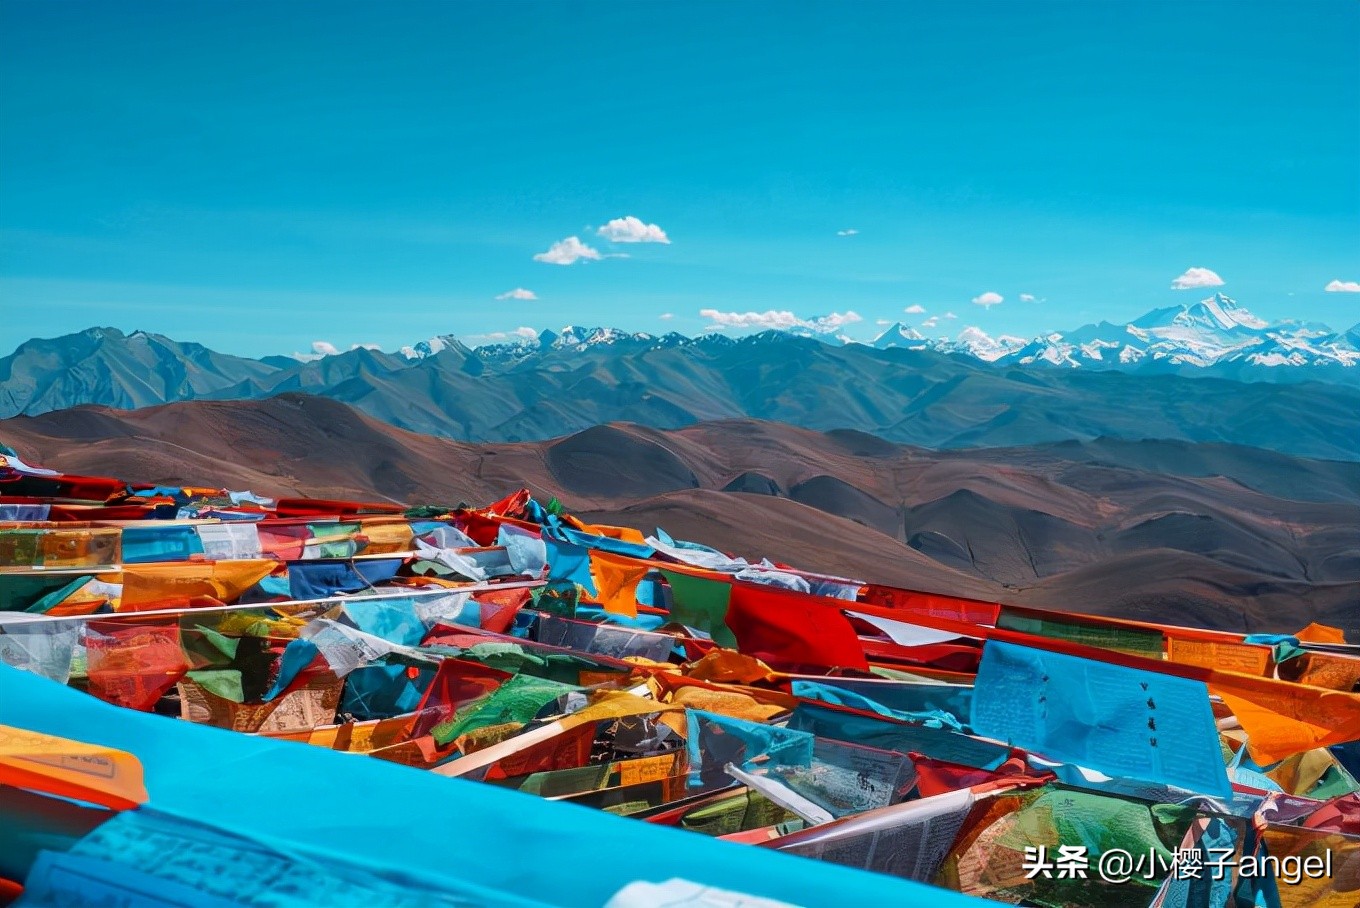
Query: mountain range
[[1206, 534], [1081, 386], [1215, 335]]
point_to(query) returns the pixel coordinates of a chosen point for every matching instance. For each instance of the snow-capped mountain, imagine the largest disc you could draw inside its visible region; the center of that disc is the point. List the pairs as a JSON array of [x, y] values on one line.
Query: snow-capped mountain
[[574, 336], [900, 335], [1214, 332], [430, 347], [970, 341], [977, 343], [1214, 337]]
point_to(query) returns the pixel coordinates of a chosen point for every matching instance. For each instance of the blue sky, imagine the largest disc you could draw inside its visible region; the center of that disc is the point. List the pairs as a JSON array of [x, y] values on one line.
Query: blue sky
[[257, 176]]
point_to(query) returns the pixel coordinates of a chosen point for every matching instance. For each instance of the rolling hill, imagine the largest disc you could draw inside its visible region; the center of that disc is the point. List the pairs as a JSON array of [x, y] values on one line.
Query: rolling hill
[[1207, 533]]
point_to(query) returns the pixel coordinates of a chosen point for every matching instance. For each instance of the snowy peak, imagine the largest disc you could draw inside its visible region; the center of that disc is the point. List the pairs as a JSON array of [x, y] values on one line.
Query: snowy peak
[[1225, 313], [1216, 331], [900, 335], [1218, 313], [523, 342], [428, 348], [574, 336], [977, 343], [1212, 332]]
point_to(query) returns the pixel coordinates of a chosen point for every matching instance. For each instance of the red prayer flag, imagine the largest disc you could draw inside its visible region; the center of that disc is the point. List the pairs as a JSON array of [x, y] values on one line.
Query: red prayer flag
[[792, 632], [455, 683], [133, 665]]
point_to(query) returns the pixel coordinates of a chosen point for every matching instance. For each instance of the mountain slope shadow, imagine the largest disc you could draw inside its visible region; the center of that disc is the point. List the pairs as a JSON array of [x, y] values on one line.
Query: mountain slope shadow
[[608, 461]]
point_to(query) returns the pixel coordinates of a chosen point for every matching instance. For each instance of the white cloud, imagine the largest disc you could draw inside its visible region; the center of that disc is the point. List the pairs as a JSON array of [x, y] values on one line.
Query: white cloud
[[778, 319], [931, 322], [915, 309], [1194, 278], [771, 319], [882, 321], [517, 334], [835, 321], [849, 231], [949, 315], [1343, 287], [326, 348], [989, 299], [632, 230], [519, 293], [567, 252], [667, 316], [1027, 297]]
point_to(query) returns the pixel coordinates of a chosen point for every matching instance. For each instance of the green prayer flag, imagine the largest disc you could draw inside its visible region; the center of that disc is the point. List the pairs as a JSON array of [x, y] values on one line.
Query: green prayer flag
[[1334, 783], [226, 683], [426, 511], [20, 548], [741, 811], [221, 642], [559, 599], [702, 604], [515, 659], [562, 782], [517, 700], [1134, 641], [22, 592]]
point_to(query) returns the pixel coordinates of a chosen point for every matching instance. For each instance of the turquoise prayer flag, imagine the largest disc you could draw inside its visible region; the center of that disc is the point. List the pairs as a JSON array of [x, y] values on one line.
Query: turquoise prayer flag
[[1119, 721]]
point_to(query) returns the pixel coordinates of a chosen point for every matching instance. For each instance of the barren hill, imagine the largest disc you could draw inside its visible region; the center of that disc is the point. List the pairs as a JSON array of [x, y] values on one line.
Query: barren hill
[[1210, 534]]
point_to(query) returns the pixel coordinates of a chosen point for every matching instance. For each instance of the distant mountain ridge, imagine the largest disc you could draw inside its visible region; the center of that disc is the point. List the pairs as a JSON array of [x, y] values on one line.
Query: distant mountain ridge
[[1214, 336], [975, 391], [103, 365]]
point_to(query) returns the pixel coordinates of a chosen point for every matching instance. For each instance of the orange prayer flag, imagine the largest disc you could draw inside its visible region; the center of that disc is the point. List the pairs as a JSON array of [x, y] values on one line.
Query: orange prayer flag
[[152, 586], [1328, 670], [70, 769], [725, 703], [79, 548], [616, 579], [1247, 658], [1334, 889], [1282, 719], [499, 608], [728, 665], [624, 534], [1321, 633], [385, 534]]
